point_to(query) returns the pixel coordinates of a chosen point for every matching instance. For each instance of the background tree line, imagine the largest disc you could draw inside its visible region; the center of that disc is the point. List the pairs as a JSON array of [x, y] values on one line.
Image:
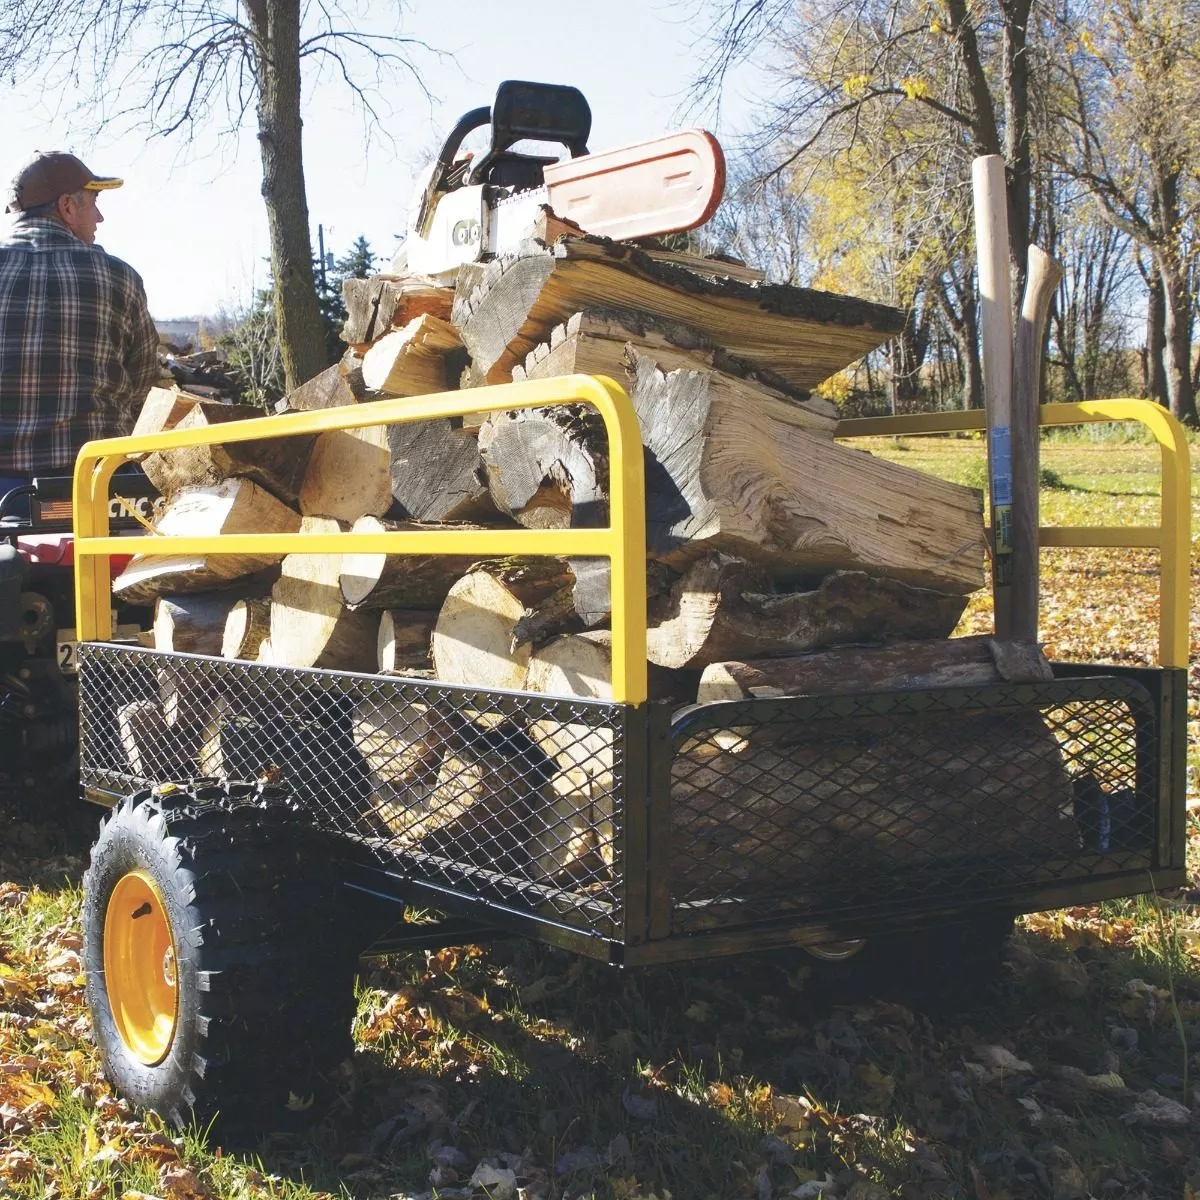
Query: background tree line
[[857, 176]]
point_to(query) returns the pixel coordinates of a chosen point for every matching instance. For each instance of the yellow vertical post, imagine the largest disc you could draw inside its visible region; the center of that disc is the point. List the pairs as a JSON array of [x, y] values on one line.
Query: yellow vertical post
[[93, 573], [627, 521]]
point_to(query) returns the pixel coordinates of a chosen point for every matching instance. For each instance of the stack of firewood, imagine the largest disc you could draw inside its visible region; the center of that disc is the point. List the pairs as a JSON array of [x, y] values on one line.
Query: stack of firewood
[[769, 543]]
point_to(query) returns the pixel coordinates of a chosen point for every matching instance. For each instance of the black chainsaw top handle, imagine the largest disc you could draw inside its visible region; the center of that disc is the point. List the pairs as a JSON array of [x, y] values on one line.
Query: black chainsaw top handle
[[544, 112]]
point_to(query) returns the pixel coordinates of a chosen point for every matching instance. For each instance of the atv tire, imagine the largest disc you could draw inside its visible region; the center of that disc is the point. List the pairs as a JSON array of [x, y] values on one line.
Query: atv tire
[[219, 974]]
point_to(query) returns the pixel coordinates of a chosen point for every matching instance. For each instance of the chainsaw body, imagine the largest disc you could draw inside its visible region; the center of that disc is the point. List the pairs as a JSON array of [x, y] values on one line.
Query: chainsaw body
[[466, 211]]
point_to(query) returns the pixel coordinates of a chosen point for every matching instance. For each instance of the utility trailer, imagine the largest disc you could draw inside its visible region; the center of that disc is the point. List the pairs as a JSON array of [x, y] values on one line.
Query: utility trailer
[[225, 910]]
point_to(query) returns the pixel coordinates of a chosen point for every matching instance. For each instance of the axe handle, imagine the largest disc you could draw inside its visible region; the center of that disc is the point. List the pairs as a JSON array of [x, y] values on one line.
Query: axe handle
[[1042, 277], [995, 320]]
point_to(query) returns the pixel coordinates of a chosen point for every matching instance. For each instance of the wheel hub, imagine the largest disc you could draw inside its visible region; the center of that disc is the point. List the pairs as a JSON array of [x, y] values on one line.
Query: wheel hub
[[140, 968], [837, 951]]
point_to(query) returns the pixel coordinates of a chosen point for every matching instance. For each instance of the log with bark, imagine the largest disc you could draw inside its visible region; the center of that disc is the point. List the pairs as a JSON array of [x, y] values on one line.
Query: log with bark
[[735, 478], [548, 467], [548, 227], [247, 625], [189, 624], [379, 581], [411, 361], [276, 464], [192, 624], [310, 624], [233, 506], [600, 341], [404, 640], [725, 608], [506, 307], [730, 470], [151, 748], [802, 807], [475, 640], [348, 475], [899, 666], [437, 474], [580, 665]]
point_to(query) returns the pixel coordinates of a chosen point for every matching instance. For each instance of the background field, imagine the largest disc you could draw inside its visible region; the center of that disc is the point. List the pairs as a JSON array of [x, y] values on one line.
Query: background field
[[539, 1075]]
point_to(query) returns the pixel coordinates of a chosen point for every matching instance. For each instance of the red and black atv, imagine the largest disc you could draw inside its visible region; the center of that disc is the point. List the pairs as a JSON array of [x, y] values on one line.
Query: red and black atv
[[39, 721]]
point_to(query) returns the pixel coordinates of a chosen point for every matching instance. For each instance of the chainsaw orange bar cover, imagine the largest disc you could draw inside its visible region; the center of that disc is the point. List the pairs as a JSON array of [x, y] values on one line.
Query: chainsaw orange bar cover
[[665, 185]]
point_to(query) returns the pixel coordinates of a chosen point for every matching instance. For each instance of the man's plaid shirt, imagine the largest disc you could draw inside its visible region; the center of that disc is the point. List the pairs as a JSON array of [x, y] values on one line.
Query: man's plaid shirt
[[78, 349]]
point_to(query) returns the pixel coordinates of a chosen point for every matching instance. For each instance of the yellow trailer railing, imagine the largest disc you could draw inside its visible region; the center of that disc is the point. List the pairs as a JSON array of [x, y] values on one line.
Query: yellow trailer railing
[[622, 541], [1171, 537]]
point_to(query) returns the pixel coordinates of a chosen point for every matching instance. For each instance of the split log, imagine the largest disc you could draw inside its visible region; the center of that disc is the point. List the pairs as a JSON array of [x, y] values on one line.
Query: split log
[[247, 625], [310, 626], [234, 506], [506, 307], [571, 838], [724, 608], [380, 581], [411, 361], [348, 475], [437, 474], [334, 387], [150, 747], [899, 666], [404, 640], [163, 409], [192, 624], [374, 305], [478, 811], [403, 743], [475, 640], [578, 823], [577, 828], [731, 477], [726, 472], [599, 341], [276, 464]]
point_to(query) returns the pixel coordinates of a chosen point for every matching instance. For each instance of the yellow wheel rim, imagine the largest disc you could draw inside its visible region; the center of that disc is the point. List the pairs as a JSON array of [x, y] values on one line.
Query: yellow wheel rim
[[140, 968]]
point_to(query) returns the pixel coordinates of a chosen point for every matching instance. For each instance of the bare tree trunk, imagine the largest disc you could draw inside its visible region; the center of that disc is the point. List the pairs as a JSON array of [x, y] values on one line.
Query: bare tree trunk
[[1154, 379], [1178, 335], [1017, 152], [276, 28]]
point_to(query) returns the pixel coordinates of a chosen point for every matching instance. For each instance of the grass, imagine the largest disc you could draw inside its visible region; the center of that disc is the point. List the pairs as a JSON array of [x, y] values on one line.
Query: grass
[[523, 1066]]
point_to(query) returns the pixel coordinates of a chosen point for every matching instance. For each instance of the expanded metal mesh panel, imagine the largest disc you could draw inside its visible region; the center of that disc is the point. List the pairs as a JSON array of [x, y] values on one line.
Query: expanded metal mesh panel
[[836, 804], [506, 797]]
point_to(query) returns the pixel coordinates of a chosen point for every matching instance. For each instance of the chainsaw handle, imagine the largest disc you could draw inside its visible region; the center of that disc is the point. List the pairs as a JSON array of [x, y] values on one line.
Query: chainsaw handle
[[445, 160]]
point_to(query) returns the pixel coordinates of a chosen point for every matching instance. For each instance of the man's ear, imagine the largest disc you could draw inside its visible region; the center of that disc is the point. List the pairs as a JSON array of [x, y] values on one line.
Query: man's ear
[[63, 206]]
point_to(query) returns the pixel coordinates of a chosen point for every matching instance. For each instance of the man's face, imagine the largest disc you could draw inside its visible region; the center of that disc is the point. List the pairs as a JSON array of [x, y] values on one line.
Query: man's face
[[80, 214]]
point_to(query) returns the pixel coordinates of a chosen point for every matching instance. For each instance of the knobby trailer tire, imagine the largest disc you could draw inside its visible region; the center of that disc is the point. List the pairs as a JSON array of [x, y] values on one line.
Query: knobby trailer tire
[[251, 940]]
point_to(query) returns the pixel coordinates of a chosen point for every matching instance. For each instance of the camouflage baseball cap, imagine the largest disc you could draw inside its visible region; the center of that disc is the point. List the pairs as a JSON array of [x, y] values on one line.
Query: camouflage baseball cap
[[51, 175]]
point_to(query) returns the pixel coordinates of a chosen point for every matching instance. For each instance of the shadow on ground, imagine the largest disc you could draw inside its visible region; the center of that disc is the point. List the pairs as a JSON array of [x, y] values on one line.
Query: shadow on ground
[[572, 1079]]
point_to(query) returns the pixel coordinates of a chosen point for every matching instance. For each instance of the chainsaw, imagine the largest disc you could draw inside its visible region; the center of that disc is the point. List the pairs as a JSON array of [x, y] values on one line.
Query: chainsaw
[[465, 210]]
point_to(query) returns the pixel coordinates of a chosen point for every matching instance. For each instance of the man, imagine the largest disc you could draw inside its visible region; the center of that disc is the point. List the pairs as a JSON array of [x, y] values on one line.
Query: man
[[78, 349]]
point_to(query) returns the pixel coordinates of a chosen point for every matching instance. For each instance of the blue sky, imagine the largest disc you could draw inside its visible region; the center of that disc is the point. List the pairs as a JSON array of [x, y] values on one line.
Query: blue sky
[[192, 220]]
